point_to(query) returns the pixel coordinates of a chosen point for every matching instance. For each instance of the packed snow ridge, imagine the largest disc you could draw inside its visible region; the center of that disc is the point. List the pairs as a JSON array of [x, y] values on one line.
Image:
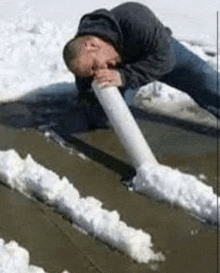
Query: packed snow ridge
[[16, 259], [30, 178], [185, 190]]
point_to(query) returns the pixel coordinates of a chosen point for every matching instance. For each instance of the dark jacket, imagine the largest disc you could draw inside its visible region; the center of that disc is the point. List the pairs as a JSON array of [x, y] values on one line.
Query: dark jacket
[[138, 36]]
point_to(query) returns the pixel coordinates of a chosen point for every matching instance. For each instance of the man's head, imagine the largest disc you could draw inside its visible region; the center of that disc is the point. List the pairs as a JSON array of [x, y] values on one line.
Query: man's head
[[85, 55]]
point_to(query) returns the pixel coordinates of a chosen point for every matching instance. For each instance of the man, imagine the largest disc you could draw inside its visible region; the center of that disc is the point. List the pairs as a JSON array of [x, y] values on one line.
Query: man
[[129, 47]]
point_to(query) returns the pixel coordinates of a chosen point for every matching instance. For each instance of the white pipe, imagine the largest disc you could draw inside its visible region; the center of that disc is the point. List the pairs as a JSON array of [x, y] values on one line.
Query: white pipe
[[124, 125]]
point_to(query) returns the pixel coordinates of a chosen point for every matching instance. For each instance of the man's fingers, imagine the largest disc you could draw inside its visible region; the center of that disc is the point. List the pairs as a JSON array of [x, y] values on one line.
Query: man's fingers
[[108, 77], [105, 73]]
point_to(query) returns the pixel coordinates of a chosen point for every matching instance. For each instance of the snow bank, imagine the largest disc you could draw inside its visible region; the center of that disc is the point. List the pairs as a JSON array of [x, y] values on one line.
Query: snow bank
[[178, 188], [30, 178], [16, 259], [31, 55]]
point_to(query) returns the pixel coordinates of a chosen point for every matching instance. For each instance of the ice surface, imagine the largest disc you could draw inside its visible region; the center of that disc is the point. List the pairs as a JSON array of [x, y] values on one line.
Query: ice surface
[[16, 259], [30, 178], [178, 188]]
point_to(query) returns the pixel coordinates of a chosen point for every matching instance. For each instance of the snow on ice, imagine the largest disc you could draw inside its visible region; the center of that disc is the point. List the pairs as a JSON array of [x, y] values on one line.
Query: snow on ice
[[30, 178]]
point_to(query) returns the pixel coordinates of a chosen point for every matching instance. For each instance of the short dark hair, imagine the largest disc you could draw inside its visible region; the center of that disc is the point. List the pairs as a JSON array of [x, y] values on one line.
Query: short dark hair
[[70, 52]]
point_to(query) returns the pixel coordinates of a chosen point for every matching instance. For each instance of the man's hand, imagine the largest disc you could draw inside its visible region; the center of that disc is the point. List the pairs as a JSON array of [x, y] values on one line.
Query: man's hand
[[108, 77]]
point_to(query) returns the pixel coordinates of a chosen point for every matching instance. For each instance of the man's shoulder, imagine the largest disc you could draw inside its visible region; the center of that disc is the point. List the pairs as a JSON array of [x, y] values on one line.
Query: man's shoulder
[[129, 5], [131, 9], [136, 16]]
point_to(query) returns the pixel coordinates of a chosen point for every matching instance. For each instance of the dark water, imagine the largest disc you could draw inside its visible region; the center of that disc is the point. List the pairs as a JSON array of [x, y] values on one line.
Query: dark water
[[189, 245]]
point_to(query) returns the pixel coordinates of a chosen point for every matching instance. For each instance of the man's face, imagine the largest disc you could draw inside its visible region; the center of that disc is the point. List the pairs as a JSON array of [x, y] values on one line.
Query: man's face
[[93, 58]]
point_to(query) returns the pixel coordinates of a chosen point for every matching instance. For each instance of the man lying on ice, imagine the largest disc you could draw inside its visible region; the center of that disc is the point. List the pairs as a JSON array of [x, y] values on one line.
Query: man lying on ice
[[129, 47]]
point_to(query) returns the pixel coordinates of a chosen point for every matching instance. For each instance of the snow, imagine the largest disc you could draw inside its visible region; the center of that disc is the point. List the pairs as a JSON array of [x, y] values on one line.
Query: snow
[[165, 183], [30, 178], [32, 38], [16, 259], [31, 56]]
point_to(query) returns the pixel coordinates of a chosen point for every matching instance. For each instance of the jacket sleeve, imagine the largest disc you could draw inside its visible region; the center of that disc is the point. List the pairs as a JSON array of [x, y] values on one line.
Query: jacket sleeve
[[146, 45], [148, 68]]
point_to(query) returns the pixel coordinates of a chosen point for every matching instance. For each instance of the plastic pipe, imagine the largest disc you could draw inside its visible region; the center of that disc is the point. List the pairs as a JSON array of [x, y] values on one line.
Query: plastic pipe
[[124, 125]]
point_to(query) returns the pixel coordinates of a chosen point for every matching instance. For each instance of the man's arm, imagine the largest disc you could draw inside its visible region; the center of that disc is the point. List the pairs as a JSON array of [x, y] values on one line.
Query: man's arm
[[146, 70], [109, 77], [103, 77], [146, 44]]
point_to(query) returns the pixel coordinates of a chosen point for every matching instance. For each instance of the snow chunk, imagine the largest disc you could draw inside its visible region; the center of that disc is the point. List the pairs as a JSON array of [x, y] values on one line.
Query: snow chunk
[[178, 188], [16, 259]]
